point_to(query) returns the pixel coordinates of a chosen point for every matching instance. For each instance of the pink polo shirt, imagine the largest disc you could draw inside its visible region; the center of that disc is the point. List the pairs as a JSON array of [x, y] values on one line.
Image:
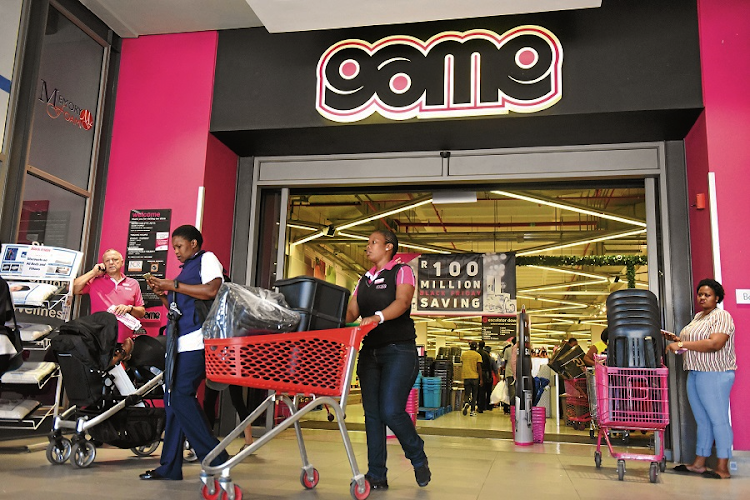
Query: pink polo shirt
[[105, 291]]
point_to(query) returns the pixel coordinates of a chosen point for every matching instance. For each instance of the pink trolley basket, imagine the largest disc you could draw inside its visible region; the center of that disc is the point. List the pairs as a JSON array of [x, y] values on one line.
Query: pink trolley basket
[[316, 364], [632, 399]]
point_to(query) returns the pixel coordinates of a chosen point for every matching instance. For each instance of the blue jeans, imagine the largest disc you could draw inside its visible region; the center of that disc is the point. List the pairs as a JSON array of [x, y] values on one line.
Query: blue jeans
[[708, 393], [386, 376]]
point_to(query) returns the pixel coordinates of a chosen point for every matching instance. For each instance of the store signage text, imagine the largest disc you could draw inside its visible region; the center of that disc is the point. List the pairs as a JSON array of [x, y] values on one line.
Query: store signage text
[[58, 105], [472, 73]]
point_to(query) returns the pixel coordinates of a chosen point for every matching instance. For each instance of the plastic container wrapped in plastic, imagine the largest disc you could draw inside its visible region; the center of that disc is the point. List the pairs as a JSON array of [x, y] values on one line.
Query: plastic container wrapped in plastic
[[239, 311]]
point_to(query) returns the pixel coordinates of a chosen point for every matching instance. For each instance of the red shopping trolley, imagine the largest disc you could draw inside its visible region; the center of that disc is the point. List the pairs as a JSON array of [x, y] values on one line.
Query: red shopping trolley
[[632, 399], [317, 364]]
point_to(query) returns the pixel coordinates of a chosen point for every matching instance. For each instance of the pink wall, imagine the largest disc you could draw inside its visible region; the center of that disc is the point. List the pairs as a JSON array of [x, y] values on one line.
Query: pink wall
[[218, 214], [725, 45], [696, 151], [161, 149]]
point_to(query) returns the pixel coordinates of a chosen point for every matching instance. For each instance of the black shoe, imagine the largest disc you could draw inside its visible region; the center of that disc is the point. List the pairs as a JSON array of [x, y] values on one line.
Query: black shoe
[[423, 475], [152, 475], [466, 408], [377, 484]]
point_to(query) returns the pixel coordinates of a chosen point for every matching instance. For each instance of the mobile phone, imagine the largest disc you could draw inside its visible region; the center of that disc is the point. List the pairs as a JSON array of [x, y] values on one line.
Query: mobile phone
[[148, 276], [101, 268]]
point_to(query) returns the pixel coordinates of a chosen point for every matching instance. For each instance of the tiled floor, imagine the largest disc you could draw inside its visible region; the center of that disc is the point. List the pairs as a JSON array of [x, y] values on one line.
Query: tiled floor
[[463, 468]]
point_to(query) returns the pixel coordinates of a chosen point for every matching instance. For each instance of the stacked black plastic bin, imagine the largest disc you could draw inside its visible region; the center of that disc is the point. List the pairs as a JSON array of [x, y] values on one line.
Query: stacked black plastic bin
[[635, 339], [321, 305], [443, 368]]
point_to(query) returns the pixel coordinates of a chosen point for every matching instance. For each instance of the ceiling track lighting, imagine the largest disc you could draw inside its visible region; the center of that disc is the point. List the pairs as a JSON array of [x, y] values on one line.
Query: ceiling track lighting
[[573, 208]]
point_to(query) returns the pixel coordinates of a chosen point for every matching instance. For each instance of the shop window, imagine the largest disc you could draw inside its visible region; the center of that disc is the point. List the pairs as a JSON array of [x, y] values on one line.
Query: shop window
[[67, 95], [51, 215]]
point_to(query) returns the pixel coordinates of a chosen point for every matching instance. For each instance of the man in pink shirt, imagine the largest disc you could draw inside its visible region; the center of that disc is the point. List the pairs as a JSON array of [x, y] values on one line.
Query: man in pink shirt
[[107, 286]]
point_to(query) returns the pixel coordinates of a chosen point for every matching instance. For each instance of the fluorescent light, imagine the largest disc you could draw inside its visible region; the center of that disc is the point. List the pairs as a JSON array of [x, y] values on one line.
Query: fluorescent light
[[610, 236], [400, 243], [298, 226], [572, 208], [309, 238], [380, 215], [571, 271], [562, 285], [554, 301]]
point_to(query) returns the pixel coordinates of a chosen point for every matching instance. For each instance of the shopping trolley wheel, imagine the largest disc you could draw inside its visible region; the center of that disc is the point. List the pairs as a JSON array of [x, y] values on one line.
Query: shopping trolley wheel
[[83, 454], [360, 493], [620, 469], [145, 450], [653, 472], [330, 417], [307, 482], [206, 491], [225, 495], [598, 459], [663, 464], [59, 454]]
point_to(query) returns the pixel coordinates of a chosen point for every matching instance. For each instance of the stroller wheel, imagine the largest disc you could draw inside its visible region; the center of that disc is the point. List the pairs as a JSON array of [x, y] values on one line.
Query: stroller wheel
[[83, 454], [145, 450], [59, 454]]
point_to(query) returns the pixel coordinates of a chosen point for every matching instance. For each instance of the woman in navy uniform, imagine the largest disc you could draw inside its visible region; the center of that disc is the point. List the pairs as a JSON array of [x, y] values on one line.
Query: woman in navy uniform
[[388, 362], [200, 279]]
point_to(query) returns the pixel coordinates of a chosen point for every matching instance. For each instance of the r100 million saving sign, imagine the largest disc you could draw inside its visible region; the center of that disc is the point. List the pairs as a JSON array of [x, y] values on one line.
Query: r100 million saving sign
[[481, 284]]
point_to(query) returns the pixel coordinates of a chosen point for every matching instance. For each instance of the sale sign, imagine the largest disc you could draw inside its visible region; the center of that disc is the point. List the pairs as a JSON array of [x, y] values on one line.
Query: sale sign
[[469, 283]]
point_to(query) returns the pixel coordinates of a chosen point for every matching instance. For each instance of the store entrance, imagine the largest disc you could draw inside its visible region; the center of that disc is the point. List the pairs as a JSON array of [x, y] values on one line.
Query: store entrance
[[574, 243]]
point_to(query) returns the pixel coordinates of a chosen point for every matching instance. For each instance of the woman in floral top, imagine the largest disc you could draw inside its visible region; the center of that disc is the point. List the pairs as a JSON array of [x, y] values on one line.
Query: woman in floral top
[[708, 346]]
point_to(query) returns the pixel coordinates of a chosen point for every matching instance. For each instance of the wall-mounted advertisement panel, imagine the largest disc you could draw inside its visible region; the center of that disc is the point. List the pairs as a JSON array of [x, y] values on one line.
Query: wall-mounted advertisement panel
[[9, 23], [148, 244]]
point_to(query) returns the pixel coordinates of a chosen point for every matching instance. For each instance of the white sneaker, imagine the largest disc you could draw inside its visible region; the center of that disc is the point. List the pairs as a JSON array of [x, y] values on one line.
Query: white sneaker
[[473, 414]]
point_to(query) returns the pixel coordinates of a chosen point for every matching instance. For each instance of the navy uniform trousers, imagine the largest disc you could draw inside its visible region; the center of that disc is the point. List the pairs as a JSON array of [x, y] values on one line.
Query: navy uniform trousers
[[185, 417]]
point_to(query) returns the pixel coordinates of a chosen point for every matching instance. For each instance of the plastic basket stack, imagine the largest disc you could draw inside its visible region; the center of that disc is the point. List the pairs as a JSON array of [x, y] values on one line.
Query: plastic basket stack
[[431, 392], [538, 422], [443, 368]]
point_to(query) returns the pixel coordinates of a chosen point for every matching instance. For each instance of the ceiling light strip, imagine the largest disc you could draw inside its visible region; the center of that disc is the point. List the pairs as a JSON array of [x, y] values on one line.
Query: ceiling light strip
[[386, 213], [610, 236], [572, 208]]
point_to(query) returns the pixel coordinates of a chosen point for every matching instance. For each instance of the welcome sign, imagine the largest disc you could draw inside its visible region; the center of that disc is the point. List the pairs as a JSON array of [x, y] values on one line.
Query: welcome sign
[[473, 73]]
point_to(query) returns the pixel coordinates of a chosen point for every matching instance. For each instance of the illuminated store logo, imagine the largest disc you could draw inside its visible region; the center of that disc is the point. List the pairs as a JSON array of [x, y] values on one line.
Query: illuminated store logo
[[474, 73], [58, 106]]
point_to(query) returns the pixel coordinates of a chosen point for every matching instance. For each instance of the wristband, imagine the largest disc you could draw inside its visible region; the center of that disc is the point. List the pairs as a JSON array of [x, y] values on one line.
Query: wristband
[[176, 284], [380, 315]]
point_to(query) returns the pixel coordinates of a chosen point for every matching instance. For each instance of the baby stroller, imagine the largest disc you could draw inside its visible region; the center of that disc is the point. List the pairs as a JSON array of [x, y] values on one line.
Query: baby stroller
[[108, 403]]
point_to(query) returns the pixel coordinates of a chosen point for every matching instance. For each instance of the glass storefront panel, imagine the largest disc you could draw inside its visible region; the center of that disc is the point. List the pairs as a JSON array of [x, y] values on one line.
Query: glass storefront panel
[[573, 246], [9, 23], [67, 93], [51, 215]]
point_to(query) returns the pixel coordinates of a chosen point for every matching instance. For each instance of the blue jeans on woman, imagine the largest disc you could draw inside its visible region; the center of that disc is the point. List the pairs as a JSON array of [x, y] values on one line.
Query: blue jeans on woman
[[708, 393], [386, 376]]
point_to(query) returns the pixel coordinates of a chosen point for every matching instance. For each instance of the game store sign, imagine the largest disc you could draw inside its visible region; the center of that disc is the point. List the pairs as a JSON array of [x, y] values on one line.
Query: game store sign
[[452, 74]]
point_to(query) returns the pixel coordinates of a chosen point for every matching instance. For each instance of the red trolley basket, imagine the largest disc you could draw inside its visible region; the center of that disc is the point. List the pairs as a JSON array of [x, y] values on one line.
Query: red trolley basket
[[632, 399], [317, 364]]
